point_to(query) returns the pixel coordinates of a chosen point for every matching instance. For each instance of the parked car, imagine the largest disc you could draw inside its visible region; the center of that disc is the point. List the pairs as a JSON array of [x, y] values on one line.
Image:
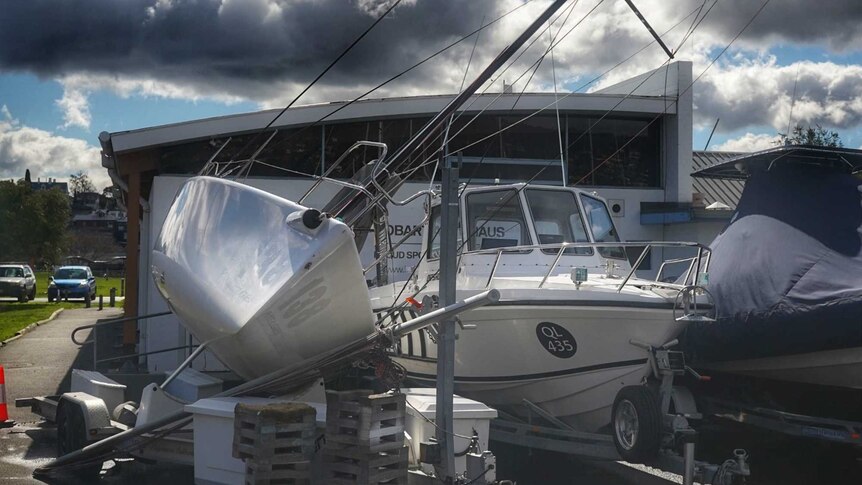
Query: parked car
[[72, 282], [17, 280]]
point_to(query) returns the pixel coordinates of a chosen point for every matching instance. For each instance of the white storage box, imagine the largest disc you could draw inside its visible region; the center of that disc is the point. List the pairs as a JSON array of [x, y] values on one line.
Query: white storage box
[[213, 436], [191, 385], [468, 415]]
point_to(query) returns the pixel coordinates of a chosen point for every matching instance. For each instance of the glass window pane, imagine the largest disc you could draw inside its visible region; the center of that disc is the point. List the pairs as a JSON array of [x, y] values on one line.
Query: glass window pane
[[602, 227], [619, 152], [434, 234], [557, 219], [496, 220]]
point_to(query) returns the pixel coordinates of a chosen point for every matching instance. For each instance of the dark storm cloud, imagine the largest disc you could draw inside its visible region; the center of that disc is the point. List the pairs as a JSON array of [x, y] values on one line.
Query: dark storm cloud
[[208, 40], [837, 23]]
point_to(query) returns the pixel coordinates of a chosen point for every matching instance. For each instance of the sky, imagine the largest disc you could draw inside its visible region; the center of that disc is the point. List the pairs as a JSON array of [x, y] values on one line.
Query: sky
[[70, 69]]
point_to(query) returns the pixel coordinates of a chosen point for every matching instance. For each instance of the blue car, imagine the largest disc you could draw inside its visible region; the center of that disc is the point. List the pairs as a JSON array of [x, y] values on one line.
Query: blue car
[[72, 282]]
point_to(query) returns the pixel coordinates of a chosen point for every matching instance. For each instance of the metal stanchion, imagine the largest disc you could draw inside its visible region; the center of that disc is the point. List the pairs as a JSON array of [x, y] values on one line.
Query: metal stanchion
[[100, 302], [113, 297]]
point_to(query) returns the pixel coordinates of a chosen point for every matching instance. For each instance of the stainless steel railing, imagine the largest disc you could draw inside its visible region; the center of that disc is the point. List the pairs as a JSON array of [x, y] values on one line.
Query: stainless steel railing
[[562, 247]]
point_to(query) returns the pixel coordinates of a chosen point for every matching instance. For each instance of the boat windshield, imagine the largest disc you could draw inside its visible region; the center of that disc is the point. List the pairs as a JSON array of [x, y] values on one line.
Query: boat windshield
[[70, 274], [557, 219], [434, 233], [602, 226], [496, 220]]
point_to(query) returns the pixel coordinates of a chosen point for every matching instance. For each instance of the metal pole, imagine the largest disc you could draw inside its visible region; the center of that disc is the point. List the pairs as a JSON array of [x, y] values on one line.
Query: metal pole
[[185, 364], [446, 340], [475, 301], [688, 453]]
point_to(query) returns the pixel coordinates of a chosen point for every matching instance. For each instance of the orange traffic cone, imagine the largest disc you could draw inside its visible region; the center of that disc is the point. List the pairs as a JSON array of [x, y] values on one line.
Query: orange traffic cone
[[5, 422]]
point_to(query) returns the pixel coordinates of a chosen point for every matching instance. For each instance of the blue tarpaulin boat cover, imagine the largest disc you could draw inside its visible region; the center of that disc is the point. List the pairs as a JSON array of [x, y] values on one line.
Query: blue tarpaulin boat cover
[[786, 273]]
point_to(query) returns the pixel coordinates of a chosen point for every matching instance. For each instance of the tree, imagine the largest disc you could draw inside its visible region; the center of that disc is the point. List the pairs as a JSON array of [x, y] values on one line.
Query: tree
[[80, 182], [34, 223], [816, 135]]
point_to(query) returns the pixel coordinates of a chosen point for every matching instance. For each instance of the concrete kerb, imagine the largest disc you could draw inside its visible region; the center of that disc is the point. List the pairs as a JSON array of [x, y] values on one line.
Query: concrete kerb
[[20, 333]]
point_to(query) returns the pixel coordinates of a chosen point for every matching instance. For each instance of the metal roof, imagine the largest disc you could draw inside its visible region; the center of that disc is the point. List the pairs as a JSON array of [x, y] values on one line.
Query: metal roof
[[716, 190], [374, 109], [744, 164]]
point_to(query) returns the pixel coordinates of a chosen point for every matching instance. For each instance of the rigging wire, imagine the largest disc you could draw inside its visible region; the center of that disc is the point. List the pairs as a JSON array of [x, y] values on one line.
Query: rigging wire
[[541, 58], [713, 61], [517, 190], [396, 76], [319, 76], [433, 157], [309, 86], [559, 128]]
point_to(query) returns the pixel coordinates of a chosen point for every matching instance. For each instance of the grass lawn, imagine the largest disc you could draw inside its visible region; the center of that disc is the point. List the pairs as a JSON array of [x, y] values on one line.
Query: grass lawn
[[15, 316], [103, 285]]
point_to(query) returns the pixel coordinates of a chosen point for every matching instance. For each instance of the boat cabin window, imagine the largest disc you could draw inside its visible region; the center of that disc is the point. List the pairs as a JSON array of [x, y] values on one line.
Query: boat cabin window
[[434, 233], [602, 226], [557, 219], [496, 220]]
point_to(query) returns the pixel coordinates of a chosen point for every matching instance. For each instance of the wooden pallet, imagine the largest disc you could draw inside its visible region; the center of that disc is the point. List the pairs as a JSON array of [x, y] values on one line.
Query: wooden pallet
[[281, 433], [344, 466], [298, 473], [359, 419]]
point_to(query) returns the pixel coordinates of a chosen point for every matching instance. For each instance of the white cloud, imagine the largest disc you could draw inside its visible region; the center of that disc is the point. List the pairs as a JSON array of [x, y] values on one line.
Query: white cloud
[[5, 112], [759, 92], [75, 107], [46, 154], [77, 88], [749, 142]]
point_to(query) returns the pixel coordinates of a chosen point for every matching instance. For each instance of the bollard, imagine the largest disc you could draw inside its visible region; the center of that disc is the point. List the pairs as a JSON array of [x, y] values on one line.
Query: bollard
[[87, 302], [113, 297], [100, 302], [122, 287]]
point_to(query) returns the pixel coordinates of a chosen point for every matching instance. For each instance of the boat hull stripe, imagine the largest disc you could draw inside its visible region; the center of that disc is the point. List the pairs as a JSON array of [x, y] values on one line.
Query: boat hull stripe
[[530, 377], [577, 303]]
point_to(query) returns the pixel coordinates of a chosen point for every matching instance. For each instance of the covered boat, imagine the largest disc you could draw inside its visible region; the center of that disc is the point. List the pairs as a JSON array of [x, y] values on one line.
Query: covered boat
[[264, 282], [786, 273]]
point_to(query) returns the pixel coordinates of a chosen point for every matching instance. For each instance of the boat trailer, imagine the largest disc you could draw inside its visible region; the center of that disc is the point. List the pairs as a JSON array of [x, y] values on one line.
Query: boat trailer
[[89, 433], [673, 434]]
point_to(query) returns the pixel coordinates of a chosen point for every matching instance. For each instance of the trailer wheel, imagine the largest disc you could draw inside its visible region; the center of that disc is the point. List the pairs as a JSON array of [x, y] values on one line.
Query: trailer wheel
[[72, 436], [636, 423]]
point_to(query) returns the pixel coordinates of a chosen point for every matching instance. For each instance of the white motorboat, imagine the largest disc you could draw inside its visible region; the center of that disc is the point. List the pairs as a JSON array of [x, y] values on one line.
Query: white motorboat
[[265, 283], [560, 335]]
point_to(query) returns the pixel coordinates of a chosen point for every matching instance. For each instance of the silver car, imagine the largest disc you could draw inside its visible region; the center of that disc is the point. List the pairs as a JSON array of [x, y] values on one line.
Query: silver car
[[17, 280]]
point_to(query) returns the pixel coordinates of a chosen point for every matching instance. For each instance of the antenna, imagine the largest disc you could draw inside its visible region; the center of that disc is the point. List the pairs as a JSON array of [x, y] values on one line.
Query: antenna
[[706, 147], [792, 102]]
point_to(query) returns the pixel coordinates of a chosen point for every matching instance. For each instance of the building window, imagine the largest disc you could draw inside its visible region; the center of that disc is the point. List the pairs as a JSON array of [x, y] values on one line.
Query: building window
[[615, 152]]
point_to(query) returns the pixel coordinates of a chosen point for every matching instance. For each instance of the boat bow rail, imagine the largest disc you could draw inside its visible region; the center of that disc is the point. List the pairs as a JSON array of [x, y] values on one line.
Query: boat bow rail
[[696, 263]]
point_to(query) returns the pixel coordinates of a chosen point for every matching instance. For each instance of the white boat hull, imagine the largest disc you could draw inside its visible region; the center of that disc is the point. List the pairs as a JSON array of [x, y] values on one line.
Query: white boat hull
[[838, 368], [246, 276], [504, 361]]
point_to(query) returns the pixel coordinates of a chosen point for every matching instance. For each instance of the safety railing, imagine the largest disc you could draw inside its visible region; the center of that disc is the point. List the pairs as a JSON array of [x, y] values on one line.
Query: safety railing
[[562, 247], [94, 338]]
